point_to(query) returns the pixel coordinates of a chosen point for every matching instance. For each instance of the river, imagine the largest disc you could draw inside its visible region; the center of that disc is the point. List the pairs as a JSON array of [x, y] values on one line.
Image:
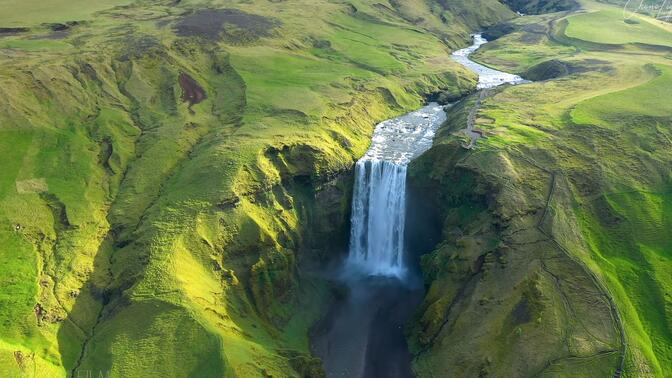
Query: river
[[363, 333]]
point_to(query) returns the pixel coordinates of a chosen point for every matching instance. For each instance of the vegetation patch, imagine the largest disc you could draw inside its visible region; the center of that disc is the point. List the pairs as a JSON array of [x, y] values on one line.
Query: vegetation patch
[[554, 69], [645, 30], [201, 224], [144, 238]]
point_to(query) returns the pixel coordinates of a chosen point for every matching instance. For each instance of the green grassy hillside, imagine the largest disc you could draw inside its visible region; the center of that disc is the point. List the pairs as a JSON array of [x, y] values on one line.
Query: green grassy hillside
[[163, 162], [636, 29], [576, 165]]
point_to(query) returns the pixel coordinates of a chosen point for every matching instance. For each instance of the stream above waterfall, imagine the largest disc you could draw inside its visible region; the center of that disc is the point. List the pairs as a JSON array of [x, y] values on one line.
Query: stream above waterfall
[[363, 333], [487, 77]]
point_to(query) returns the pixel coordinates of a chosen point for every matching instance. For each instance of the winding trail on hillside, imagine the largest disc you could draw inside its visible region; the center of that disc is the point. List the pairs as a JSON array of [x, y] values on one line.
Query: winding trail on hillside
[[553, 180], [556, 33], [596, 280], [487, 78], [462, 57]]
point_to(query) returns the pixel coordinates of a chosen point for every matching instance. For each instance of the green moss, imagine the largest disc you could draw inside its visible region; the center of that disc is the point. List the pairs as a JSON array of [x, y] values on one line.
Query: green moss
[[578, 159], [128, 344]]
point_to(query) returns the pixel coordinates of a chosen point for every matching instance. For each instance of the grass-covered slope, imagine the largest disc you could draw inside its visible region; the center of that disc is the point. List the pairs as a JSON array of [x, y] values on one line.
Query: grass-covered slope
[[162, 163], [576, 165], [633, 29]]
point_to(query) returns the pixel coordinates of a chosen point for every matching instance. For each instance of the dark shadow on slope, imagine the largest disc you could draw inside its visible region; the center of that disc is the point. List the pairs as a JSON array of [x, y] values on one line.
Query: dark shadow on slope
[[363, 333]]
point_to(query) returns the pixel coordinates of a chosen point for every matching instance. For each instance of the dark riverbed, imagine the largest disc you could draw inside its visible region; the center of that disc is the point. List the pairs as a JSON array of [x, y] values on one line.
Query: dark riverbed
[[363, 335]]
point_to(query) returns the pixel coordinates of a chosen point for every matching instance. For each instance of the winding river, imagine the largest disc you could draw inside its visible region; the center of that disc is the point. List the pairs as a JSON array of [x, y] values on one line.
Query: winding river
[[487, 77], [362, 335]]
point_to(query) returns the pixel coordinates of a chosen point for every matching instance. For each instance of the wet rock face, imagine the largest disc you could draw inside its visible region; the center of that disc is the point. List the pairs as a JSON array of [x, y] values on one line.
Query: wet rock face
[[321, 196], [332, 219]]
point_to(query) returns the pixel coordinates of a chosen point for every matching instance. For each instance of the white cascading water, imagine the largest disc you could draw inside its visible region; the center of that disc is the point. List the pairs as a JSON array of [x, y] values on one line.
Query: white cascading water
[[487, 77], [365, 331], [379, 198], [378, 217]]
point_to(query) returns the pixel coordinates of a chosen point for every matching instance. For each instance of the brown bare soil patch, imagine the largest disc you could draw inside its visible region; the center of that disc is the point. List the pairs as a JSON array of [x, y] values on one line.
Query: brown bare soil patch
[[191, 91], [34, 185], [232, 25]]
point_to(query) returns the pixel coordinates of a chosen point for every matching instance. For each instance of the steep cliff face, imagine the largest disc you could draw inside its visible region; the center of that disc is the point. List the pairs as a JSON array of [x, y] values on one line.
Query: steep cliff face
[[554, 255], [171, 170], [504, 298]]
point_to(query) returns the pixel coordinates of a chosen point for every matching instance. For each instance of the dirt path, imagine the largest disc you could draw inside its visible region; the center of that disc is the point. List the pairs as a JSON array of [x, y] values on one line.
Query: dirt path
[[471, 121], [553, 179]]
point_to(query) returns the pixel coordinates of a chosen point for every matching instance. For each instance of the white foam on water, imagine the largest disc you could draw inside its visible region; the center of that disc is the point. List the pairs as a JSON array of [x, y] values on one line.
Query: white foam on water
[[487, 77], [379, 198]]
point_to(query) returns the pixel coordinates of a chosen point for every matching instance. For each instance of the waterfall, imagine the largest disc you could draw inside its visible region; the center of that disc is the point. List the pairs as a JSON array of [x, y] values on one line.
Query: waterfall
[[379, 193], [379, 198], [378, 217]]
